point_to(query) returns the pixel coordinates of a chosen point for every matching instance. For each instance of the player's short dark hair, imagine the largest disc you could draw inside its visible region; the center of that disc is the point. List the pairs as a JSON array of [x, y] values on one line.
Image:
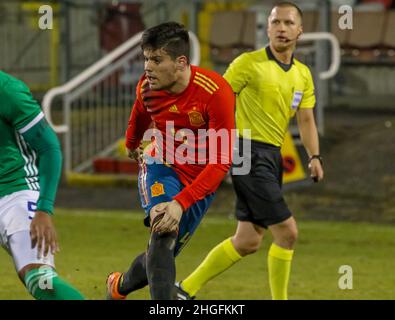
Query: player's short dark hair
[[284, 4], [172, 37]]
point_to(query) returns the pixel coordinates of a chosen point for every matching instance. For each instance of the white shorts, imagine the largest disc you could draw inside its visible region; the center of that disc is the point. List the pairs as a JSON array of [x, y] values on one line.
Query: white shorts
[[16, 213]]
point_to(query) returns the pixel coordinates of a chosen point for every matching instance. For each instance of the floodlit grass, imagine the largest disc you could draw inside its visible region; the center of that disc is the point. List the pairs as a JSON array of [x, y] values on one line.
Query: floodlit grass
[[94, 243]]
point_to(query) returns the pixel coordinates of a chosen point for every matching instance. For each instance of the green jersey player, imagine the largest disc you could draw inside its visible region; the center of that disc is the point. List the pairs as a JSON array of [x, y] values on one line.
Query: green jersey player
[[30, 166]]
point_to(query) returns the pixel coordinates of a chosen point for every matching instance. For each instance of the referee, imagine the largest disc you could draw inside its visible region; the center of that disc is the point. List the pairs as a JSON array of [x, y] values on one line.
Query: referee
[[271, 86]]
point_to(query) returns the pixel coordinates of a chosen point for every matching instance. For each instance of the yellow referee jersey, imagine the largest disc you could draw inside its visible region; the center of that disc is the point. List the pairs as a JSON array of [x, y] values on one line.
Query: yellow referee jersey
[[268, 94]]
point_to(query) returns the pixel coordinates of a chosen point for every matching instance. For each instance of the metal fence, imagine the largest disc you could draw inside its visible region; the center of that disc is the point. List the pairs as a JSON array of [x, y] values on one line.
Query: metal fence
[[26, 51], [98, 116]]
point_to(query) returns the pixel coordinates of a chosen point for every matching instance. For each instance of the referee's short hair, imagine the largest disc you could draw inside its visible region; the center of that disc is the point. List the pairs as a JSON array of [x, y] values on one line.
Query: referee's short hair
[[284, 4]]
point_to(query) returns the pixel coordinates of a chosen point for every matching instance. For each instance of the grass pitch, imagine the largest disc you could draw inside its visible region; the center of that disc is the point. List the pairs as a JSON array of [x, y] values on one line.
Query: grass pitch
[[94, 243]]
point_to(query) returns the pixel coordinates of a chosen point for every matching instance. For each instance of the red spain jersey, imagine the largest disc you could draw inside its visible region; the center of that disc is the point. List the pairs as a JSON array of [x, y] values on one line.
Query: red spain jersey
[[185, 122]]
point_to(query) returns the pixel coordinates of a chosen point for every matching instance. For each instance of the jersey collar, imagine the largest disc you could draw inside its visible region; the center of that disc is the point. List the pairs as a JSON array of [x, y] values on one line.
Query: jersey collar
[[284, 66]]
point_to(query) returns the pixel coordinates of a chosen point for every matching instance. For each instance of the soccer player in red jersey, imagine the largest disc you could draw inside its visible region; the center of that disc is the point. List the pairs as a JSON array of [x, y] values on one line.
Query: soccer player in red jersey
[[192, 111]]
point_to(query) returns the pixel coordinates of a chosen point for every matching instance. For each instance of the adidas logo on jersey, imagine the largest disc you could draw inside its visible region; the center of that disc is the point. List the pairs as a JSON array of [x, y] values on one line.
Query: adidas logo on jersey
[[174, 109]]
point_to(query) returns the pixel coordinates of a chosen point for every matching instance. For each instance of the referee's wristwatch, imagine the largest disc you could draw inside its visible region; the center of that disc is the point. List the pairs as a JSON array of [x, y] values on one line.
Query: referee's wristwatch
[[316, 156]]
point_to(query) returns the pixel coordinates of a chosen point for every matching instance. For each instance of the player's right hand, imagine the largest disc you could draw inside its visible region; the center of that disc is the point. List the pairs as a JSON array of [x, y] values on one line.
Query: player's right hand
[[43, 234], [135, 154]]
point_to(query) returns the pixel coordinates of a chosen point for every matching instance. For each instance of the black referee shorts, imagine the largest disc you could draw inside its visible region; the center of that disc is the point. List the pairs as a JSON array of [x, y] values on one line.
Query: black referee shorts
[[259, 196]]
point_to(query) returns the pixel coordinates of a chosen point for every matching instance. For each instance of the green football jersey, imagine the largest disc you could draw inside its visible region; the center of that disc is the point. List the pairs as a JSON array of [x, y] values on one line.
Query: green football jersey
[[18, 113]]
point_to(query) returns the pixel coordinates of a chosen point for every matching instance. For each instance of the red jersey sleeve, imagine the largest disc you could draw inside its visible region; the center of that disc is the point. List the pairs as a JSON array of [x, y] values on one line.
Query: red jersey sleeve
[[220, 112], [139, 121]]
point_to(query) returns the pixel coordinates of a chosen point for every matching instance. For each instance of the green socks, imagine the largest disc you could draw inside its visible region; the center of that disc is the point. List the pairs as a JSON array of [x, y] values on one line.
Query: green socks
[[44, 284]]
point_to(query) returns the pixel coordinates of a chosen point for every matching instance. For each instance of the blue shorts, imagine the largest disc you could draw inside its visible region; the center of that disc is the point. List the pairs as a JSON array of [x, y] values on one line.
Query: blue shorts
[[159, 183]]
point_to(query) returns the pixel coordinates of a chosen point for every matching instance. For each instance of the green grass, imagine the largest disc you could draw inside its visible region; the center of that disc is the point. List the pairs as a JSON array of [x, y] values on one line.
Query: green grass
[[94, 243]]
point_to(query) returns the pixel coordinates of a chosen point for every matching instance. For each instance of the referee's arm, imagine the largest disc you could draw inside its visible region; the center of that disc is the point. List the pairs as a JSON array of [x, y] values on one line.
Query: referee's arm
[[309, 136]]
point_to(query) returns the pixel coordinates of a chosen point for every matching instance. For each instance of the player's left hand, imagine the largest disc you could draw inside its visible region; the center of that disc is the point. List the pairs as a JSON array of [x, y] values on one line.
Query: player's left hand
[[43, 233], [171, 218], [316, 170]]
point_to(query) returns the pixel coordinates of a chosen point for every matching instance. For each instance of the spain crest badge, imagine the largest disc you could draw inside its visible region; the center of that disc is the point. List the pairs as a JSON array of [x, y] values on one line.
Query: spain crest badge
[[157, 189], [196, 118]]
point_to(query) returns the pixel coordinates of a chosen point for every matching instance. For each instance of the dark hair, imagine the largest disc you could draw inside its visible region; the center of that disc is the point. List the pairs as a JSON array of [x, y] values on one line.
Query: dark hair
[[289, 4], [172, 37]]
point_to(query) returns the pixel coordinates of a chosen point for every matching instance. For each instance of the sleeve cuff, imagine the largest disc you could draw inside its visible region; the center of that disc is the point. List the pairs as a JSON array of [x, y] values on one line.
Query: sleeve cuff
[[45, 205], [131, 146], [185, 199]]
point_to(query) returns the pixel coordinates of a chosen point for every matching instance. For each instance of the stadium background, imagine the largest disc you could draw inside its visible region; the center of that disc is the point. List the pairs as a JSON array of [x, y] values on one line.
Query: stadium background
[[346, 220]]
